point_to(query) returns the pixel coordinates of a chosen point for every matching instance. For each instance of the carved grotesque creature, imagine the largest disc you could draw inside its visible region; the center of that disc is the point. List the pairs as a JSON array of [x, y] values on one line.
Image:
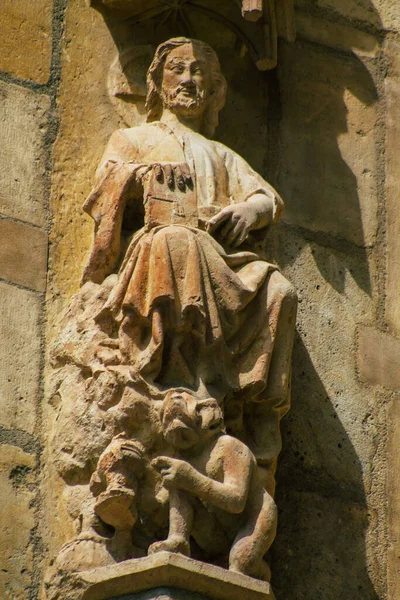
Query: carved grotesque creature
[[214, 487]]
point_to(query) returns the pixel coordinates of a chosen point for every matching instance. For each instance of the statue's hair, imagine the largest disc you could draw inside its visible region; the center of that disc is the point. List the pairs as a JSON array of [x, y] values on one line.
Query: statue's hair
[[154, 81]]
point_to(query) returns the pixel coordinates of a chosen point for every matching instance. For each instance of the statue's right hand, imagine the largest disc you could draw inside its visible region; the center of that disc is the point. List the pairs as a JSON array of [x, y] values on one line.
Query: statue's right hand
[[173, 174], [172, 470]]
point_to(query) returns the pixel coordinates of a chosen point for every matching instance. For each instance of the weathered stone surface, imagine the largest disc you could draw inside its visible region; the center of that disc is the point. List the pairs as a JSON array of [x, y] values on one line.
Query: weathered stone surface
[[379, 14], [16, 522], [19, 357], [23, 122], [164, 593], [159, 570], [394, 499], [329, 406], [333, 445], [314, 529], [85, 127], [333, 438], [328, 166], [25, 38], [335, 35], [392, 88], [379, 358], [23, 254]]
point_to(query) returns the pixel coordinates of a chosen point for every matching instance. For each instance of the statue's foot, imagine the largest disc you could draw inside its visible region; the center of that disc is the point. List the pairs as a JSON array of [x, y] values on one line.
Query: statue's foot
[[260, 571], [174, 544], [116, 508]]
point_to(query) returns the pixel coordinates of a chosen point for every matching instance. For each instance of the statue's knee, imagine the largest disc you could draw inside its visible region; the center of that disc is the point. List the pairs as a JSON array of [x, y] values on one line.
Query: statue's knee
[[170, 232], [282, 288]]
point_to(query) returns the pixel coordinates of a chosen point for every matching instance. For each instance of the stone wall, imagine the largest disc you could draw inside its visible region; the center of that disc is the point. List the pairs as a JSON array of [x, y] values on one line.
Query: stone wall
[[323, 128], [29, 72], [336, 166]]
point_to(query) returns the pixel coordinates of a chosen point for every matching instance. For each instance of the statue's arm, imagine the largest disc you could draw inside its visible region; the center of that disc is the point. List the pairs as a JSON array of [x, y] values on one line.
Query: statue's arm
[[255, 204], [106, 204], [246, 185], [229, 495]]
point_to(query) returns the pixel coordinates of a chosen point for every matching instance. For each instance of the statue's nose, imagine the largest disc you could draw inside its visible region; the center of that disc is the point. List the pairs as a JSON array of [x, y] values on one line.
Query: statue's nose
[[187, 75]]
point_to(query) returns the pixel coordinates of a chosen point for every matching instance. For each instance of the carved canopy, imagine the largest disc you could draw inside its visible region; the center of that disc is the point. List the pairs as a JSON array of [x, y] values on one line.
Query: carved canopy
[[257, 23]]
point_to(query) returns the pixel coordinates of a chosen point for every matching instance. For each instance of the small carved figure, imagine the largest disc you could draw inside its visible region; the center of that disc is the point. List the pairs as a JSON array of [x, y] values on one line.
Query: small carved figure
[[217, 474]]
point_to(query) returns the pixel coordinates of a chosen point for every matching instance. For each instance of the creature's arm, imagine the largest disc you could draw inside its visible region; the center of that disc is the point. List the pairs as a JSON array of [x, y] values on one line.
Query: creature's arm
[[229, 495]]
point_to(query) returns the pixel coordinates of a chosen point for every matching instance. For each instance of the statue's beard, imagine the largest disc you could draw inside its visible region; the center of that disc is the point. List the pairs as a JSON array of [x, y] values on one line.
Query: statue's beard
[[190, 104]]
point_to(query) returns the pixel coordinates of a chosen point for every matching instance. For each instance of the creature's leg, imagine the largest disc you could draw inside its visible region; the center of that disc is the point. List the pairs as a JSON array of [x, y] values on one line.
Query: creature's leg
[[208, 532], [255, 538], [180, 525]]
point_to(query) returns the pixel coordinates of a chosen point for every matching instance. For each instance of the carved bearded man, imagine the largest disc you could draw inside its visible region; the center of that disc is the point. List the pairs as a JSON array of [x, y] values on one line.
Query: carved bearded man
[[184, 219]]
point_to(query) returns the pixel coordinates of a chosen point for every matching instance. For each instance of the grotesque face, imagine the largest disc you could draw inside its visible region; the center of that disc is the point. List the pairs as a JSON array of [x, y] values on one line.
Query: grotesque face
[[179, 419], [186, 81], [210, 418], [187, 421]]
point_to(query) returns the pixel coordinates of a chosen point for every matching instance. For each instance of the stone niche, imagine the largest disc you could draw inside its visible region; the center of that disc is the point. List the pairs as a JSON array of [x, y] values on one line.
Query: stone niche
[[306, 128], [256, 23], [171, 365]]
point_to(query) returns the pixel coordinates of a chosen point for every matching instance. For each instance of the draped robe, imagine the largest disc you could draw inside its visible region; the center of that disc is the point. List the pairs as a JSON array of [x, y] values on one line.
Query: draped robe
[[194, 313]]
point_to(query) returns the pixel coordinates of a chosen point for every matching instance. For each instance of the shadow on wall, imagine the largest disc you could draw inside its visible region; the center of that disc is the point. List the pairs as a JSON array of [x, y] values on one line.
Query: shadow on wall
[[319, 552], [327, 171]]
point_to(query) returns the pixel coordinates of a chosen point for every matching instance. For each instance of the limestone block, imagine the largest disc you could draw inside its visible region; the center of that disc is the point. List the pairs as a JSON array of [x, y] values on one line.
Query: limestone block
[[379, 358], [23, 115], [393, 572], [327, 430], [85, 127], [16, 522], [392, 88], [380, 14], [23, 254], [19, 356], [335, 35], [25, 38], [162, 569], [328, 167], [309, 551]]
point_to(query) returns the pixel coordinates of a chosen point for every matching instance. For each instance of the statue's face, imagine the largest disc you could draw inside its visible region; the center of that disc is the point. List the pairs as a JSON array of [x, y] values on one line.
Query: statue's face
[[186, 81]]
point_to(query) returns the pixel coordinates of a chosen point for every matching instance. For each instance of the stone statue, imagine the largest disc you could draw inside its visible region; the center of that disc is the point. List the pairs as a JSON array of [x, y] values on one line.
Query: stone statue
[[214, 470], [173, 369]]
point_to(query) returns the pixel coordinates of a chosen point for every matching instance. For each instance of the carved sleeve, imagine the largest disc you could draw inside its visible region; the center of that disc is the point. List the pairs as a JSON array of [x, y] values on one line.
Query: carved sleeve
[[106, 204], [244, 183]]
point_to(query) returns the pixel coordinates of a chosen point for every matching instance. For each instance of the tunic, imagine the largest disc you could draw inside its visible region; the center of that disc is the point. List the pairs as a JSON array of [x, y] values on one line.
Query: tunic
[[193, 313]]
